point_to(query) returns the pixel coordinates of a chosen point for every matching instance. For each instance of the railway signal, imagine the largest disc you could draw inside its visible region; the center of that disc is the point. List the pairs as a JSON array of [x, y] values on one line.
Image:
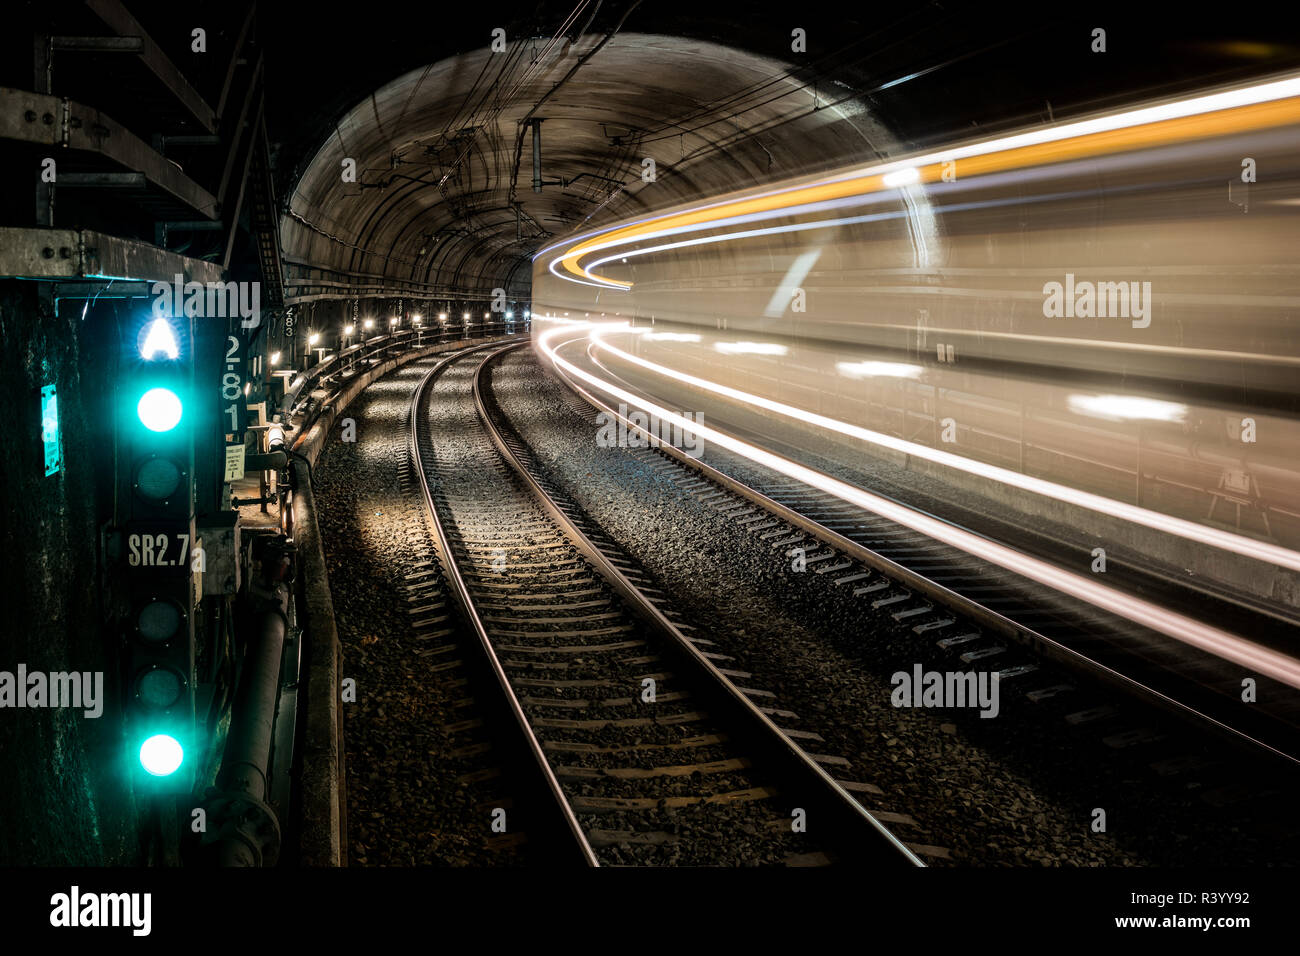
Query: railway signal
[[156, 493]]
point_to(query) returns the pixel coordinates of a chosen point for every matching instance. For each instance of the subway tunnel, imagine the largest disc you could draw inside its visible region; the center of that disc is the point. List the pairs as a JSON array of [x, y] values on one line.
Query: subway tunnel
[[601, 434]]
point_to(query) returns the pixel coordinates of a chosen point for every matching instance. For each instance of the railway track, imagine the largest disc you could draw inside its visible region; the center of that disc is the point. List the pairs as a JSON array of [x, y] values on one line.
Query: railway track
[[428, 762], [980, 617], [645, 749]]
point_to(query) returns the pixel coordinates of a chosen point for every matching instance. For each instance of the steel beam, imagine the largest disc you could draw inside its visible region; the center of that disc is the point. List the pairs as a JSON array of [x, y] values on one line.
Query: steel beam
[[35, 253], [103, 289], [60, 123], [128, 180], [120, 21], [98, 44], [203, 140], [195, 225], [537, 154], [243, 128], [236, 58]]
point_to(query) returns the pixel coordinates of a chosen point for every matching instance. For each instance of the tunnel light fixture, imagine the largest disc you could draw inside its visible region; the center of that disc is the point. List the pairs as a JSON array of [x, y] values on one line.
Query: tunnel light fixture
[[442, 316], [466, 316], [510, 315], [526, 313], [369, 324], [878, 369], [487, 315], [1117, 408], [750, 348], [275, 359], [348, 329], [394, 320], [313, 338]]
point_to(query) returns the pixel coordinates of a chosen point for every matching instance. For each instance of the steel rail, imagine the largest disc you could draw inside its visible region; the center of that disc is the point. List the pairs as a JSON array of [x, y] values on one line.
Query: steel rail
[[459, 588], [791, 755], [960, 603]]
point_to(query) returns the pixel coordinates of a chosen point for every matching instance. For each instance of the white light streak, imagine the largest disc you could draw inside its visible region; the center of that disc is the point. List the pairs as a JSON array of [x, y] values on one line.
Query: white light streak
[[1117, 408], [1213, 537], [750, 348], [902, 177], [1228, 646], [673, 337], [878, 369]]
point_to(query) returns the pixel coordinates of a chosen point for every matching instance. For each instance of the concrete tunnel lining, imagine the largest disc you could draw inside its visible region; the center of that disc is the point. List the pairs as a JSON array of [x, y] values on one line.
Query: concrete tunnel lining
[[463, 235]]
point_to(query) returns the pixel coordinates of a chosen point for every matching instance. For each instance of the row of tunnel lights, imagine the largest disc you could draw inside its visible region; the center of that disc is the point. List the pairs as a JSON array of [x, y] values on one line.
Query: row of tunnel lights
[[348, 330]]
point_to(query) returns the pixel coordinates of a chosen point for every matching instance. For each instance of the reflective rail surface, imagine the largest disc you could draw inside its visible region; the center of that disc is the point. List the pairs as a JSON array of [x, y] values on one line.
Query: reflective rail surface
[[559, 614]]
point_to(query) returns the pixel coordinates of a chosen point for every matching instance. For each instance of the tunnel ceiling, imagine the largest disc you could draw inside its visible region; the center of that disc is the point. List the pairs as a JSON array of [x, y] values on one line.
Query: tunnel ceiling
[[443, 202], [444, 169]]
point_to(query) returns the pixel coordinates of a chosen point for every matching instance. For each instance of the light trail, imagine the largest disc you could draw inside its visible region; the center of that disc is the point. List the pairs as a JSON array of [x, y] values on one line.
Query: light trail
[[1254, 107], [1212, 640], [1212, 537]]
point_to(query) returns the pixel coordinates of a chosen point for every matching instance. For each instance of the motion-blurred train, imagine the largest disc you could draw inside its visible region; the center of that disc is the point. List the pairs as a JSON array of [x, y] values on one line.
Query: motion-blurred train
[[1199, 197], [1111, 303]]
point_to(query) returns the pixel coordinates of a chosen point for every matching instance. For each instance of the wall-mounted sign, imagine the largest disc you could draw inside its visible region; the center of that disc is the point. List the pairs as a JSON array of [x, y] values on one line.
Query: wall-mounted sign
[[234, 462], [50, 431]]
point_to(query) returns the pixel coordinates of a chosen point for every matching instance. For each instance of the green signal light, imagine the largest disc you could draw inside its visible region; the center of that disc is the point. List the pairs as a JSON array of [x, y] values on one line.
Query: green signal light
[[159, 409], [160, 339], [161, 755]]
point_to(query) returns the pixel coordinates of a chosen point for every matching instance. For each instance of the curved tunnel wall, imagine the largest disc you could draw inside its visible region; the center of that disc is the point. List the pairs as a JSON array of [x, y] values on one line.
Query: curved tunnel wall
[[443, 196]]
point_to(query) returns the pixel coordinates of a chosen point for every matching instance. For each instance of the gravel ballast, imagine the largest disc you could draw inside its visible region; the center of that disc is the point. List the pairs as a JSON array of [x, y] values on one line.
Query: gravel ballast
[[1023, 788], [408, 803], [1020, 789]]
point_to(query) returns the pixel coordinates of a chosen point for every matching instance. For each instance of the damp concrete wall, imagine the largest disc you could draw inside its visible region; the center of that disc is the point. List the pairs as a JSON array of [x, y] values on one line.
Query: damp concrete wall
[[63, 799]]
